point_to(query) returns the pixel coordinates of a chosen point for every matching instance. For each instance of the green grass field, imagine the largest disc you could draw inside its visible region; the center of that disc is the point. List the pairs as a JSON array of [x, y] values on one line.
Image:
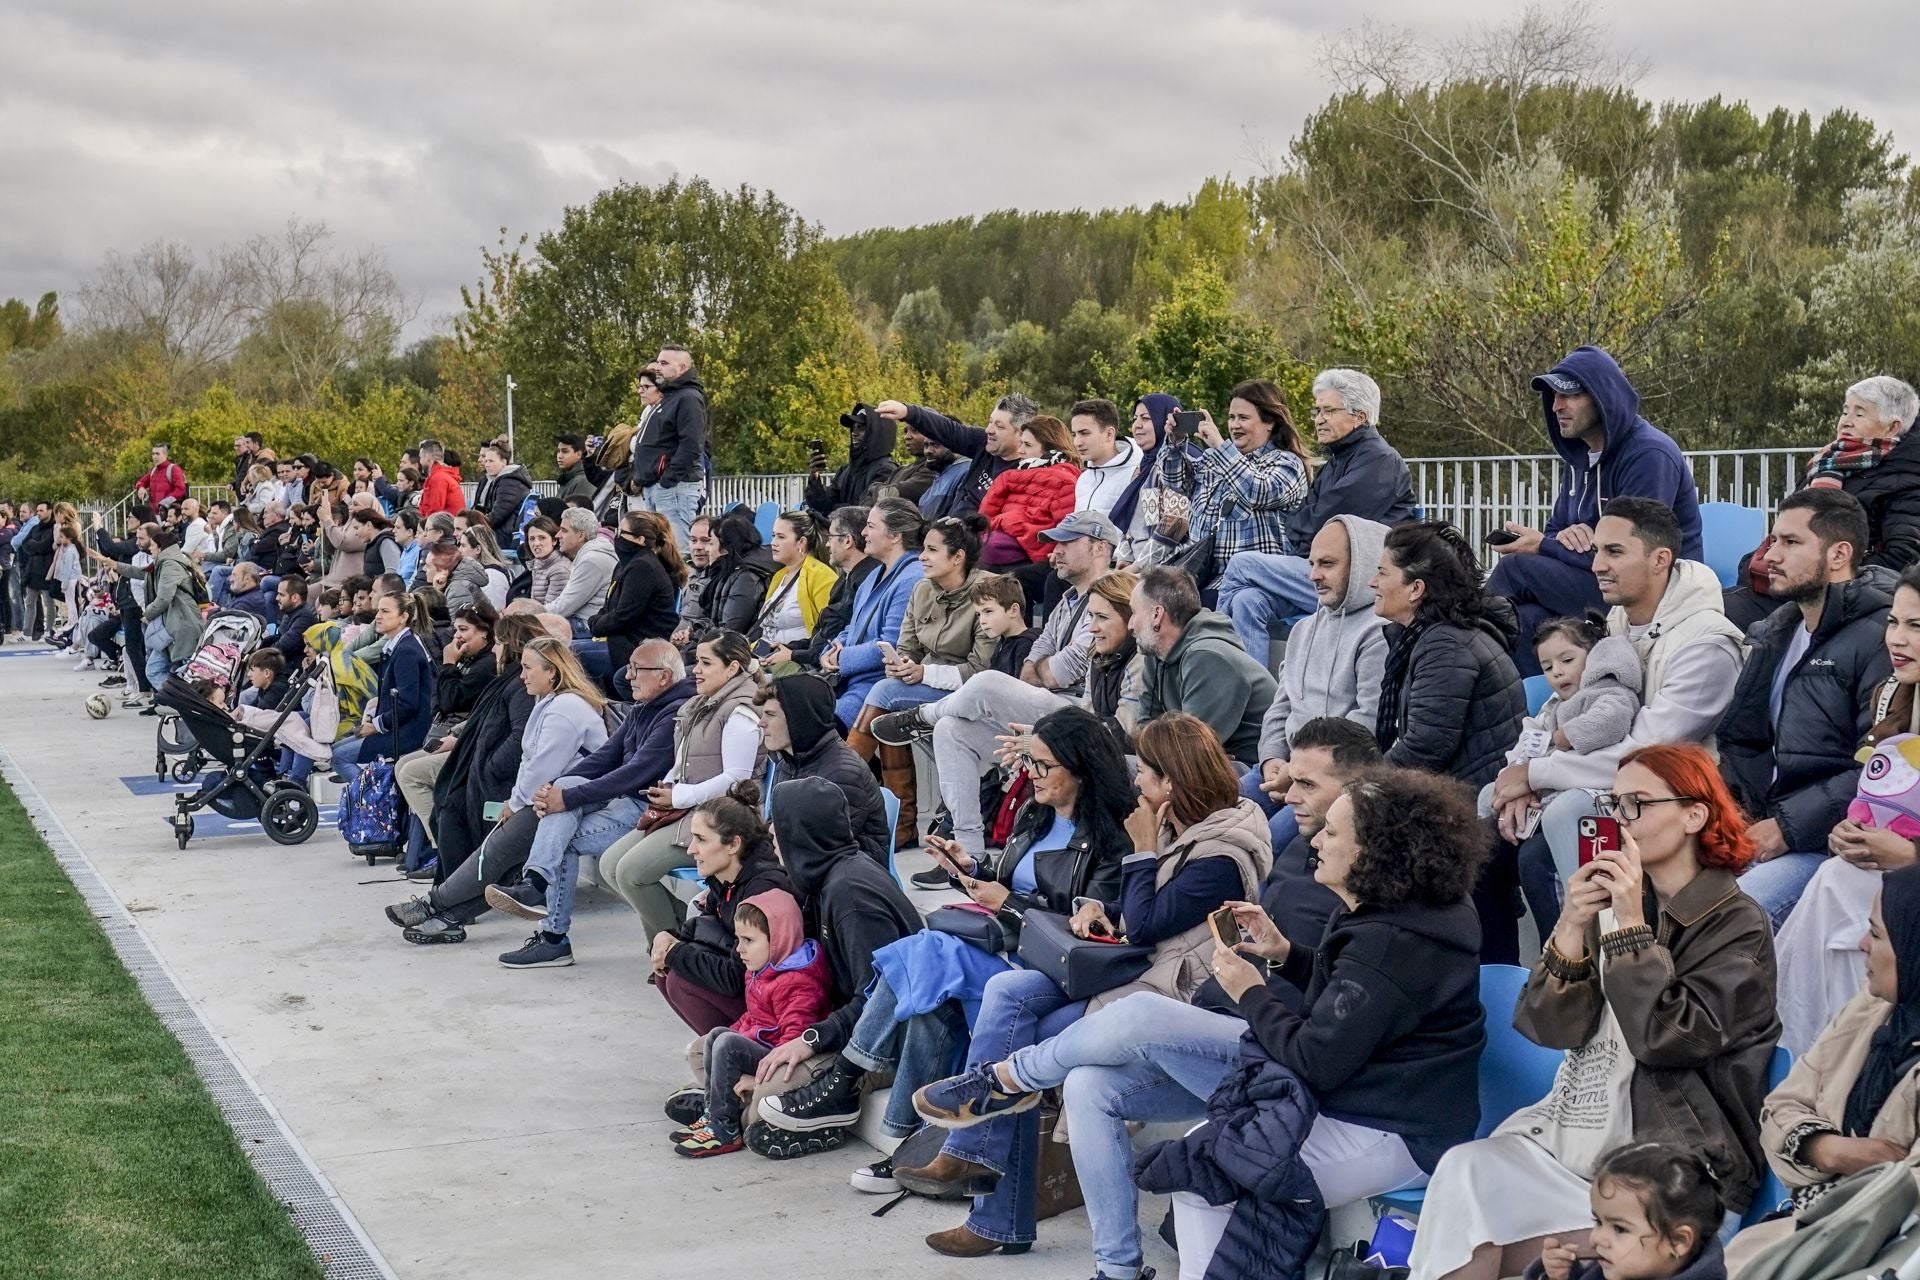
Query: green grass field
[[114, 1162]]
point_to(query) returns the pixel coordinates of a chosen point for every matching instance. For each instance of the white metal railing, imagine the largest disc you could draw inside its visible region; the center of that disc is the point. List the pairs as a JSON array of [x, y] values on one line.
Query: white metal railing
[[1476, 494]]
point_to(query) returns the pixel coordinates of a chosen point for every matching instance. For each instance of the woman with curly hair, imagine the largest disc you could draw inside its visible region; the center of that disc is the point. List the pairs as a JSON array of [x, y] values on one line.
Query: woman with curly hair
[[1658, 981], [1387, 1037]]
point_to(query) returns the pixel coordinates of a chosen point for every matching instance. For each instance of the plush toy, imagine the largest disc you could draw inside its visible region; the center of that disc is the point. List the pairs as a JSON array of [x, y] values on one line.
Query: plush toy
[[1889, 792]]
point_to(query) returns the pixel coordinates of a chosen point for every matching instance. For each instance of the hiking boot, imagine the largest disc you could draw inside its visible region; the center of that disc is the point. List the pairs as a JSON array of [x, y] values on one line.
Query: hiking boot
[[831, 1100], [947, 1178], [875, 1179], [973, 1097], [542, 951], [521, 900], [777, 1144], [961, 1242], [900, 728], [410, 914], [435, 929], [685, 1106]]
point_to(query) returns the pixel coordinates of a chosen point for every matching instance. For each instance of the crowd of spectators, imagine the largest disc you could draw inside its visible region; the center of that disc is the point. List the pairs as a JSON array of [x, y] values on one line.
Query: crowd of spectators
[[1056, 645]]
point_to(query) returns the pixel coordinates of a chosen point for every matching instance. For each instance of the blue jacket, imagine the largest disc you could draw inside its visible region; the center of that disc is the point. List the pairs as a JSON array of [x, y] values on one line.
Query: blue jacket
[[255, 602], [406, 702], [1639, 459], [1247, 1154], [878, 607], [1361, 475], [637, 755]]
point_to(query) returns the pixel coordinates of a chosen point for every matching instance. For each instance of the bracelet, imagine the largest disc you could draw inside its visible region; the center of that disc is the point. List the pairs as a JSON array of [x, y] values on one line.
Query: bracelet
[[1562, 968], [1627, 941]]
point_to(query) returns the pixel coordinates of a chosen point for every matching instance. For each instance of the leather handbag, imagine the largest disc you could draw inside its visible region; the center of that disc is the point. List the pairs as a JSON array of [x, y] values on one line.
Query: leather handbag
[[972, 924], [654, 818], [1198, 559], [1080, 967]]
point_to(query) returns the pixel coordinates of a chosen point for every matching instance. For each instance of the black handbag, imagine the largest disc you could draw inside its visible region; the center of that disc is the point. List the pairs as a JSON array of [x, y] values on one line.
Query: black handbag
[[1080, 967], [980, 930], [1198, 560]]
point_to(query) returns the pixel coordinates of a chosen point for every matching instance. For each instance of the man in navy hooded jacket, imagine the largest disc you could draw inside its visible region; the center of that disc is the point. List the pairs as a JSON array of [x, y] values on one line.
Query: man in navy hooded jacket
[[1608, 451]]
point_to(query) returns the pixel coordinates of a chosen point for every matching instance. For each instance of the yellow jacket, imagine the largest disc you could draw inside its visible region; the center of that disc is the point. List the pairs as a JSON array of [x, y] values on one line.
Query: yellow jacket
[[817, 579]]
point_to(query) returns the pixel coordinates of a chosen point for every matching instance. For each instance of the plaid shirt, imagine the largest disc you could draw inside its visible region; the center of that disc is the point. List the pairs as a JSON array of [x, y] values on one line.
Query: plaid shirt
[[1240, 500]]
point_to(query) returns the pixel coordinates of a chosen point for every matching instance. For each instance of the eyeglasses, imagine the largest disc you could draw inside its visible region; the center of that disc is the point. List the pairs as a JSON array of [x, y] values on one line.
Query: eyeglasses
[[1321, 411], [634, 668], [1631, 807], [1039, 768]]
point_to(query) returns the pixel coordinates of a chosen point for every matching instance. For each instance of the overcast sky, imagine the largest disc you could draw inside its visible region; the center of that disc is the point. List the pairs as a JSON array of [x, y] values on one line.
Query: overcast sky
[[421, 126]]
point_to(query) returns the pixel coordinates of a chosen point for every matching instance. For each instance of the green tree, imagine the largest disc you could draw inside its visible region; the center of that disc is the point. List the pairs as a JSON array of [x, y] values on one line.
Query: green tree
[[1197, 346], [737, 276], [923, 327]]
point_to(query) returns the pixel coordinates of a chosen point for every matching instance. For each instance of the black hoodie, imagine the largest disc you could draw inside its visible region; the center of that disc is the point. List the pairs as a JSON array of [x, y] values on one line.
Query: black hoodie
[[1393, 1027], [818, 751], [706, 955], [870, 465], [639, 604], [676, 439], [853, 907]]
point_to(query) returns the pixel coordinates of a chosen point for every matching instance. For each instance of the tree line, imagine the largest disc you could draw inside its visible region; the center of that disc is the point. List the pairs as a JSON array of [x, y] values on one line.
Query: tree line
[[1451, 221]]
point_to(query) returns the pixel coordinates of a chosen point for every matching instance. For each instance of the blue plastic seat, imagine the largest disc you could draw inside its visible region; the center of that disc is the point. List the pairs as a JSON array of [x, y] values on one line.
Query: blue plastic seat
[[1727, 532], [763, 518], [1538, 691], [1514, 1071], [1772, 1191]]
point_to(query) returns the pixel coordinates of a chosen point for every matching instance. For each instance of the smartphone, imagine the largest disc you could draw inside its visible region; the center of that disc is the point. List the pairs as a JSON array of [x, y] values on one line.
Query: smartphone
[[1226, 927], [888, 652], [817, 445], [1185, 423], [490, 811], [1532, 824], [1501, 538], [1597, 836], [763, 649]]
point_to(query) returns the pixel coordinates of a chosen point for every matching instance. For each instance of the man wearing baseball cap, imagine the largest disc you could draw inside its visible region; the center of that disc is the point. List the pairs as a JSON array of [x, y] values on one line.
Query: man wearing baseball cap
[[967, 724], [1607, 451]]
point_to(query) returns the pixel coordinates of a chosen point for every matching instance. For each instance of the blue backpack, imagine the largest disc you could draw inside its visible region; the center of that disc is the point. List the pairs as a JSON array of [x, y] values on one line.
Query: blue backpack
[[371, 815], [529, 508]]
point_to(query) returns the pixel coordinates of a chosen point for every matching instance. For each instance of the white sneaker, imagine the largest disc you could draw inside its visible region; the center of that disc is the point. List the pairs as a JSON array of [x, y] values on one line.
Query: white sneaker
[[85, 664], [134, 700]]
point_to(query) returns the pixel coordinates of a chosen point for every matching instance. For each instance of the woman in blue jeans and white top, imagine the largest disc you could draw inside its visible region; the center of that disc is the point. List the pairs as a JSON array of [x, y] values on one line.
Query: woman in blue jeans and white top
[[1198, 845], [1389, 1042], [1067, 844]]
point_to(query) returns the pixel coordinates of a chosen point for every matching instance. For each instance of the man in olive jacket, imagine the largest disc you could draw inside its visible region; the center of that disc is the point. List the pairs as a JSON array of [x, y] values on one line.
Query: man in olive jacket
[[1194, 662]]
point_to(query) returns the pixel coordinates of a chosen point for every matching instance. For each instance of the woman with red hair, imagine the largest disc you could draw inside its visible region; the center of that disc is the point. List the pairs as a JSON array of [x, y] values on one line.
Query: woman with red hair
[[1658, 981]]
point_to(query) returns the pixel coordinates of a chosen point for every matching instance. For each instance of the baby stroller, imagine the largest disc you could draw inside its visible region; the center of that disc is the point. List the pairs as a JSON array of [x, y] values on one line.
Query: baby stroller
[[245, 785], [229, 637]]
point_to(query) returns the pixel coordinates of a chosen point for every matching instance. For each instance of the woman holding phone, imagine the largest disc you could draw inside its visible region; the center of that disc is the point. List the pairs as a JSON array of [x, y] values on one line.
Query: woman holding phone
[[1658, 982], [1244, 483]]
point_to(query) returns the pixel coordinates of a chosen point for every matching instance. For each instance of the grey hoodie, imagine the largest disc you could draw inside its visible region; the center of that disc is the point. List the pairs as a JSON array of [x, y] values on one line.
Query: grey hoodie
[[1336, 658], [587, 580]]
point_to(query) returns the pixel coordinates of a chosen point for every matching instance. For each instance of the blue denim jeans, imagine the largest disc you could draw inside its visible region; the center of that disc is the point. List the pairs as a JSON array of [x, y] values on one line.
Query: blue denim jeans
[[1145, 1057], [892, 695], [271, 585], [581, 628], [918, 1050], [1282, 825], [158, 664], [1541, 587], [1777, 883], [679, 503], [593, 659], [217, 584], [1259, 590], [563, 838], [346, 757], [1019, 1007]]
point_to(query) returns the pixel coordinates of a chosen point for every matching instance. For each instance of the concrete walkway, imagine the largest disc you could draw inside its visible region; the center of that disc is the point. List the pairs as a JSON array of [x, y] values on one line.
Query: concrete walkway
[[478, 1122]]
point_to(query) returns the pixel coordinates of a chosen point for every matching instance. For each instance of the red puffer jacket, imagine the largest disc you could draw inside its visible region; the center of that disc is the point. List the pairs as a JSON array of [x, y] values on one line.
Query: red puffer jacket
[[785, 999], [1028, 499]]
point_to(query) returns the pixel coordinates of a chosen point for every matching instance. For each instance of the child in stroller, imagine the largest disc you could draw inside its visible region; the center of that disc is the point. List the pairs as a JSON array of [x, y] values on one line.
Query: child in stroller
[[220, 661], [245, 784]]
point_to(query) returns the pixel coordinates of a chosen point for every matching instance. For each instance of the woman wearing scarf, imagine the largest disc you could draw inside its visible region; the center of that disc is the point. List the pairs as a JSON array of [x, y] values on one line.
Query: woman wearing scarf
[[1876, 459], [1137, 511]]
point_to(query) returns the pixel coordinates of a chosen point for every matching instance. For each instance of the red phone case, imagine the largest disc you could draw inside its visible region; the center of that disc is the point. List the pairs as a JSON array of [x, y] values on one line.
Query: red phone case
[[1605, 836]]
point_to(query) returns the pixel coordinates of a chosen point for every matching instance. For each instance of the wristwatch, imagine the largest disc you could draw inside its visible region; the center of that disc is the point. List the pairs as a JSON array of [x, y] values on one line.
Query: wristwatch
[[810, 1037]]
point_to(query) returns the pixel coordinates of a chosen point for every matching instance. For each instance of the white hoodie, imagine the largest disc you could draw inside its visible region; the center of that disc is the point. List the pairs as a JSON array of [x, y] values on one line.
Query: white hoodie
[[1098, 488]]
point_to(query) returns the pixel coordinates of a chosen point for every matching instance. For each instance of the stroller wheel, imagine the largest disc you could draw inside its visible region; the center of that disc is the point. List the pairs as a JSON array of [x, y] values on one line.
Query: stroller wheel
[[186, 770], [289, 816], [183, 829]]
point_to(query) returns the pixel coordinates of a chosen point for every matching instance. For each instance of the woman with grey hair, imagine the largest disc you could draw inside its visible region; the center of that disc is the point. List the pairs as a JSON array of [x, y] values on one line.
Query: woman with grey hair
[[1874, 457]]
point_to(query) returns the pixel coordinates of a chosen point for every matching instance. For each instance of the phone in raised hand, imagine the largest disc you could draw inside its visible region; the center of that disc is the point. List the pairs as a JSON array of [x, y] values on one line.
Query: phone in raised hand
[[1597, 836], [1226, 928]]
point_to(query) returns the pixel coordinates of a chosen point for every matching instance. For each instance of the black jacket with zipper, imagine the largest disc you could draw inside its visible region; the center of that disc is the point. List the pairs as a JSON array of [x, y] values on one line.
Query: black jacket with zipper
[[1803, 774], [1060, 875], [1460, 699], [639, 603], [676, 437]]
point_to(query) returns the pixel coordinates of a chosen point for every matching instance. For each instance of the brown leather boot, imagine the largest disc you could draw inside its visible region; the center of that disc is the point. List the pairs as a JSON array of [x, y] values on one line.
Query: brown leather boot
[[896, 775], [948, 1175], [961, 1242], [862, 743]]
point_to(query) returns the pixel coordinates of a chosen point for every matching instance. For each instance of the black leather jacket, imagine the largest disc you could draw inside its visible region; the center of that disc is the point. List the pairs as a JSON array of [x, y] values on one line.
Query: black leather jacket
[[1060, 875]]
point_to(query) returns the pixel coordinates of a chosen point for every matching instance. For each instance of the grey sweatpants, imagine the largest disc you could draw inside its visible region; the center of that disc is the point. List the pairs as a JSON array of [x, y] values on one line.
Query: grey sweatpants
[[965, 724]]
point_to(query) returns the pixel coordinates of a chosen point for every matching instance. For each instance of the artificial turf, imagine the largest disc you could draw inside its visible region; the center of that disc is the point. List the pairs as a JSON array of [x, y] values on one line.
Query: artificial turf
[[114, 1162]]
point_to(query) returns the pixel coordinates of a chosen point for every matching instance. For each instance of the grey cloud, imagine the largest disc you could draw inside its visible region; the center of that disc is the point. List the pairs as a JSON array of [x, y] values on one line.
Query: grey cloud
[[422, 127]]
